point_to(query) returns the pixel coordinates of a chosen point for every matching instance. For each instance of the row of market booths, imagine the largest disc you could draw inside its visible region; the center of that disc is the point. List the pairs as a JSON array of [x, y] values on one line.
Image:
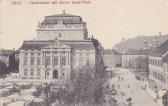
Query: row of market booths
[[112, 72], [7, 89], [24, 96]]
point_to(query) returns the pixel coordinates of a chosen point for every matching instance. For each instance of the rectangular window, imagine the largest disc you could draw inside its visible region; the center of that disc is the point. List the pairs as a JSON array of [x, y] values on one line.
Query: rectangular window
[[87, 62], [63, 52], [38, 72], [38, 62], [38, 54], [48, 52], [56, 61], [32, 72], [55, 52], [63, 61], [48, 61], [80, 54], [32, 54], [26, 54], [25, 72], [31, 61], [25, 61], [81, 62]]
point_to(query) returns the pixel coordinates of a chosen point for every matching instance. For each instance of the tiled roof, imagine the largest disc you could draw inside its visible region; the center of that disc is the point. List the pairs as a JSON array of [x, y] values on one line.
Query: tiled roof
[[111, 51], [164, 46], [137, 52], [165, 59], [6, 52], [38, 45], [157, 52], [161, 50]]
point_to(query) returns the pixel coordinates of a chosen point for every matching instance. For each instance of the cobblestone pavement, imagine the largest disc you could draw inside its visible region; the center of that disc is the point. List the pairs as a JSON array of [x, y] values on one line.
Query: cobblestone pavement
[[132, 88]]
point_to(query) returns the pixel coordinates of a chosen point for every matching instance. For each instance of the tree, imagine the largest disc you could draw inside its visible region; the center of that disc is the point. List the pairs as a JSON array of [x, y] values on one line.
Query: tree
[[85, 87], [100, 80], [84, 84]]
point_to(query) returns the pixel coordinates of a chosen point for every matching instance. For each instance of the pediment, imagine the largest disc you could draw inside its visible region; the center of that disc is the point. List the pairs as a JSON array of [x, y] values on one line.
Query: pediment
[[56, 45]]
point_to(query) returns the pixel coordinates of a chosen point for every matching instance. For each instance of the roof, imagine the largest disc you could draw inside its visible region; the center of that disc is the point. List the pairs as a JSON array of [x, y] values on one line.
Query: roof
[[64, 18], [164, 46], [63, 15], [137, 52], [157, 52], [6, 52], [165, 59], [111, 51], [161, 50], [77, 45]]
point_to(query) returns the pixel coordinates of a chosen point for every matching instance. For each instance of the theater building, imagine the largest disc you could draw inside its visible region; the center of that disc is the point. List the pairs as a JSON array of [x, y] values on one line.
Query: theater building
[[62, 45]]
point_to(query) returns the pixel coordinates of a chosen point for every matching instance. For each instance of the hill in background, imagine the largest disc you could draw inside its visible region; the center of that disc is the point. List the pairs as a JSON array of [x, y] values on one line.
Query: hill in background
[[140, 42]]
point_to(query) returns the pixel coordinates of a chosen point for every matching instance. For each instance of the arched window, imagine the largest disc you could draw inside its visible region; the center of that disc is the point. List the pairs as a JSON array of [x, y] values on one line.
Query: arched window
[[32, 72], [63, 62], [38, 72], [25, 72], [47, 73], [55, 61]]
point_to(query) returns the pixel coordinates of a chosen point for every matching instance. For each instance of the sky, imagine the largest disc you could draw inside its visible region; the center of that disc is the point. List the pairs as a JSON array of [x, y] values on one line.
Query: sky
[[107, 20]]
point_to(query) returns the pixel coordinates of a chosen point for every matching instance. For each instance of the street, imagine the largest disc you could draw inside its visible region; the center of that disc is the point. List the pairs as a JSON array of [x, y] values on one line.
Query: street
[[132, 88]]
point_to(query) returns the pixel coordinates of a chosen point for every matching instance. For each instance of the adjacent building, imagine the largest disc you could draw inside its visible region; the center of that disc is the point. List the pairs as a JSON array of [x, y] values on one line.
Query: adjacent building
[[62, 45], [137, 60], [7, 57], [158, 67]]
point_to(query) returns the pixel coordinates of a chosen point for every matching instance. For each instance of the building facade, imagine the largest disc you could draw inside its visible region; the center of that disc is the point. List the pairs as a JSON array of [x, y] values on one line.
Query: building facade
[[62, 45], [158, 68], [132, 59], [63, 26], [7, 57], [137, 61]]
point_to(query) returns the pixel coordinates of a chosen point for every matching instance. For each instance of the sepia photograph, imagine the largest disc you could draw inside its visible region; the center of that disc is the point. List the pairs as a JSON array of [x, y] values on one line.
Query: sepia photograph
[[83, 52]]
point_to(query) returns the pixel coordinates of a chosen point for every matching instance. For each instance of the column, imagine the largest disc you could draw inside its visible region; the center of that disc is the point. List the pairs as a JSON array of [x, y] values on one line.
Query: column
[[51, 59], [35, 60], [35, 65], [59, 63], [44, 58], [28, 55], [77, 59], [69, 58]]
